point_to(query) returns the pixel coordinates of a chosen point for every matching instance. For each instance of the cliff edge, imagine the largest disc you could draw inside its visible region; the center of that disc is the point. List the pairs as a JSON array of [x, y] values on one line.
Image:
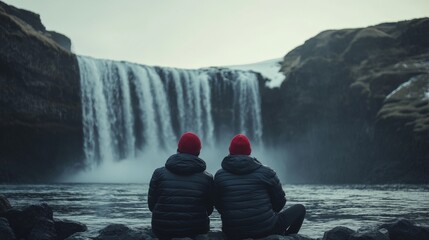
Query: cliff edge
[[40, 115], [354, 106]]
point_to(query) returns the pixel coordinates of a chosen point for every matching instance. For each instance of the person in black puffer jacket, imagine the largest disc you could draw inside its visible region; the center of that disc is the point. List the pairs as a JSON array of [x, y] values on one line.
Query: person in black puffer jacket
[[181, 193], [250, 198]]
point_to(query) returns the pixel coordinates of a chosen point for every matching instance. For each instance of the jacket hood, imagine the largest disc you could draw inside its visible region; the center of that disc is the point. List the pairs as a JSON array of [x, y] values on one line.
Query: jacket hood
[[185, 164], [240, 164]]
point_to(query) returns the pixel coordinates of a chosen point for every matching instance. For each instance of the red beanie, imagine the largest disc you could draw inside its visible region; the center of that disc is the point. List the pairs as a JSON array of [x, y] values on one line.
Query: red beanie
[[240, 145], [189, 143]]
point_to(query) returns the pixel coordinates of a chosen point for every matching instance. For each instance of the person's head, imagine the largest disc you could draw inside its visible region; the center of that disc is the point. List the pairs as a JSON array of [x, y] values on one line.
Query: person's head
[[189, 143], [240, 145]]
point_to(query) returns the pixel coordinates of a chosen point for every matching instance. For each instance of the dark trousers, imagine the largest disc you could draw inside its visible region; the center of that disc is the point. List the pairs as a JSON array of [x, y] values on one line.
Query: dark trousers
[[290, 220]]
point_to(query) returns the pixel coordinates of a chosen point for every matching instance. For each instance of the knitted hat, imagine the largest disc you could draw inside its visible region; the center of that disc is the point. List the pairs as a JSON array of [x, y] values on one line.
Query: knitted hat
[[189, 143], [240, 145]]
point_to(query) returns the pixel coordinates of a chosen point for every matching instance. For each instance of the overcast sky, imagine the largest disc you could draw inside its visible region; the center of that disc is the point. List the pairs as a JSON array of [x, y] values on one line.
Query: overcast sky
[[201, 33]]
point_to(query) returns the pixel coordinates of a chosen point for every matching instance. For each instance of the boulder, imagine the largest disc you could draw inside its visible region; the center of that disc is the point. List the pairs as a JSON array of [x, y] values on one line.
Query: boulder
[[212, 235], [338, 233], [121, 232], [38, 211], [66, 228], [6, 233], [37, 222], [373, 235], [23, 221], [4, 204], [78, 236], [403, 229], [21, 226], [43, 229]]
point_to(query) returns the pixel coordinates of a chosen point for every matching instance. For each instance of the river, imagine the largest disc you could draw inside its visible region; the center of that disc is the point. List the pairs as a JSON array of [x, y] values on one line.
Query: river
[[353, 206]]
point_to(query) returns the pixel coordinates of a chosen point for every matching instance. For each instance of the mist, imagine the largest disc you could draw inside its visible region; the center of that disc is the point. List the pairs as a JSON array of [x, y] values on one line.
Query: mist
[[140, 168]]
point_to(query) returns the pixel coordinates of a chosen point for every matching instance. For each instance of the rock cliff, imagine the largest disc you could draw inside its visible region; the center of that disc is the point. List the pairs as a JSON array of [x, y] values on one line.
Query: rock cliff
[[354, 106], [40, 114]]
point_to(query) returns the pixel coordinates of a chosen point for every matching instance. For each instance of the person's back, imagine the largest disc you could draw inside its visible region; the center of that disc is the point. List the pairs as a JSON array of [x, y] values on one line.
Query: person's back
[[243, 200], [180, 194], [249, 196]]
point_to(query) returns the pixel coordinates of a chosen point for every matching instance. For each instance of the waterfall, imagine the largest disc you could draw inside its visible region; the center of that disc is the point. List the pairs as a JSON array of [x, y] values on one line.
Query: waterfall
[[128, 107]]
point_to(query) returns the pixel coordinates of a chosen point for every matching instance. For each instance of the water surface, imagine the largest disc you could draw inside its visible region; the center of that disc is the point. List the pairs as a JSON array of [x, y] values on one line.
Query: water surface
[[354, 206]]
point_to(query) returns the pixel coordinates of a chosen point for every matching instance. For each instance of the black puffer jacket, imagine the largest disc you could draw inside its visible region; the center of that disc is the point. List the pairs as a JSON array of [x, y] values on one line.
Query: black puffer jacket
[[181, 197], [248, 196]]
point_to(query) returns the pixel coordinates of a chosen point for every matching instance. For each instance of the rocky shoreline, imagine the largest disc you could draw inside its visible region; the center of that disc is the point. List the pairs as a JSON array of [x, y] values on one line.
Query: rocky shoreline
[[37, 222]]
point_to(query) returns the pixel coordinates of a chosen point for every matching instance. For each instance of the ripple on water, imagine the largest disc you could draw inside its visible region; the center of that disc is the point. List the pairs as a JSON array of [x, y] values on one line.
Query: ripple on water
[[354, 206]]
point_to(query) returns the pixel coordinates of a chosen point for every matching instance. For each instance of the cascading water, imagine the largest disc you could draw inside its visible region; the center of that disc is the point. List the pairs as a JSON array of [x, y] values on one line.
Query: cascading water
[[130, 109]]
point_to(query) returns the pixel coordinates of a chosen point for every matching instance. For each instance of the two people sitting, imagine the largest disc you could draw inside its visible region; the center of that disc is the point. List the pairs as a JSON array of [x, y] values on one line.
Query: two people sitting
[[247, 194]]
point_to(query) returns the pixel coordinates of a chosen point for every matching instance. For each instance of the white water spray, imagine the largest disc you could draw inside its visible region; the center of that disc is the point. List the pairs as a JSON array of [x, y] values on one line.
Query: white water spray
[[137, 112]]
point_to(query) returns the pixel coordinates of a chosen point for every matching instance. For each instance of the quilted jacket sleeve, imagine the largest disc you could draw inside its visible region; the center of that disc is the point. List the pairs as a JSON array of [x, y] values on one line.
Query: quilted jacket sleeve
[[275, 190], [152, 196]]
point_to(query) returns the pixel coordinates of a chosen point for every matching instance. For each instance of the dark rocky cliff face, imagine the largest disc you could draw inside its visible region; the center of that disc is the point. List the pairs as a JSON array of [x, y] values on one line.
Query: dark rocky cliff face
[[40, 114], [342, 115]]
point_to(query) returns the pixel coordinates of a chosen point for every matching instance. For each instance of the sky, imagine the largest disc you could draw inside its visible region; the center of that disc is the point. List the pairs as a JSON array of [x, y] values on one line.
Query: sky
[[203, 33]]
